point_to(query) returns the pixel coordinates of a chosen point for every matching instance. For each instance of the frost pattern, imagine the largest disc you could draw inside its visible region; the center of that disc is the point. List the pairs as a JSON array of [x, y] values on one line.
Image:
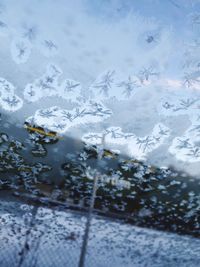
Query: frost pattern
[[48, 48], [142, 57], [20, 50], [137, 147], [48, 85], [60, 120], [8, 99], [186, 147], [112, 84]]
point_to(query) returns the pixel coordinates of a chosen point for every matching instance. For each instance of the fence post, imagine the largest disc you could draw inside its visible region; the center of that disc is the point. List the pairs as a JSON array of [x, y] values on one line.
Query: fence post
[[26, 246], [89, 217], [87, 228]]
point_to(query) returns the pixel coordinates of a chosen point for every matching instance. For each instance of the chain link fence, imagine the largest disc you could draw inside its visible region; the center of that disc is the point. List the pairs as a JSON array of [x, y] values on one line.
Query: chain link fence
[[41, 236]]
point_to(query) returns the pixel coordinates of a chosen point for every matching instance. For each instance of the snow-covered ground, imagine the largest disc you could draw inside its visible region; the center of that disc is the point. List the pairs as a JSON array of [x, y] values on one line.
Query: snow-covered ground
[[55, 239]]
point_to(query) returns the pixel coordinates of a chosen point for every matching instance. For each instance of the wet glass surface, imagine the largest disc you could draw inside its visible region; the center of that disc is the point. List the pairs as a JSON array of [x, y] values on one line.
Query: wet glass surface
[[106, 89]]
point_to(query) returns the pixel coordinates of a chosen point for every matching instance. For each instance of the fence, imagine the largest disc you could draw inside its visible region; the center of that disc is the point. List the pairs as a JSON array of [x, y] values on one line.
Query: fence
[[41, 236]]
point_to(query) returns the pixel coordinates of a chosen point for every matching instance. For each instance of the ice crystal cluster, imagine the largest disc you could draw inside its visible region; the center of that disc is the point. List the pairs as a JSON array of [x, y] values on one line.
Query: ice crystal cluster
[[118, 68]]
